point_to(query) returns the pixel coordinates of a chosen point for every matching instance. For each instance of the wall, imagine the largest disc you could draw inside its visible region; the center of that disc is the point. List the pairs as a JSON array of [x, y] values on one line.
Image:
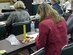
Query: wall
[[4, 5], [2, 1]]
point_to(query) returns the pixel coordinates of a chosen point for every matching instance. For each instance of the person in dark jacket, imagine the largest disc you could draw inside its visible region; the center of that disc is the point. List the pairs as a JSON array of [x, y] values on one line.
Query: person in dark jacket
[[70, 22], [57, 7], [52, 30]]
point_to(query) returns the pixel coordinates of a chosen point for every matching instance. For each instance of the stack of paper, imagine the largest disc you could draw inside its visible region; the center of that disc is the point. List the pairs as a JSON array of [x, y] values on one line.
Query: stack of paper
[[13, 40]]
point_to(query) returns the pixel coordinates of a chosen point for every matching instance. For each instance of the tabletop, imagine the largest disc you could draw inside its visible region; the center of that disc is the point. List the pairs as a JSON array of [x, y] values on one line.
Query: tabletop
[[5, 45]]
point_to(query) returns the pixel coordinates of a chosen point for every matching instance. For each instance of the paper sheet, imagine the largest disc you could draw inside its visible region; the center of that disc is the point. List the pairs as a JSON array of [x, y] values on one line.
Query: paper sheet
[[13, 40]]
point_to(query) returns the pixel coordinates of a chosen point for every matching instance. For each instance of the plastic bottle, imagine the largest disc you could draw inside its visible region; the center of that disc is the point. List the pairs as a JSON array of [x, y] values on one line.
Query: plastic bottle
[[32, 26]]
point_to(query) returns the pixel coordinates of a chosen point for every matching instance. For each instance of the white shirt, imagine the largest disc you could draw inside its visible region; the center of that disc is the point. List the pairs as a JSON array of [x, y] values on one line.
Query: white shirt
[[67, 5]]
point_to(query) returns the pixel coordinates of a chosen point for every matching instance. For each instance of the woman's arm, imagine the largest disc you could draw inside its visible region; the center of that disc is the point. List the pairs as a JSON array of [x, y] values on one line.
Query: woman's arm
[[42, 37]]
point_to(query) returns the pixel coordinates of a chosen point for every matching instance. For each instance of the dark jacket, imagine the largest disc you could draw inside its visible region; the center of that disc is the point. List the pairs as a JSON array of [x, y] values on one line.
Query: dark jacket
[[52, 36], [18, 16], [57, 8], [70, 24]]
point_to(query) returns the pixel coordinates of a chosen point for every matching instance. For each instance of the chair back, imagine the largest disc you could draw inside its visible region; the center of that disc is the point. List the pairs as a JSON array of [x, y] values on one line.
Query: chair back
[[39, 52], [5, 16], [2, 32], [37, 23], [68, 50], [17, 28]]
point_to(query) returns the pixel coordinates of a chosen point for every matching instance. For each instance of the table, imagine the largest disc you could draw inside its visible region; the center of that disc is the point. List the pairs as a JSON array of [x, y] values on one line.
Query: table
[[3, 23], [5, 45]]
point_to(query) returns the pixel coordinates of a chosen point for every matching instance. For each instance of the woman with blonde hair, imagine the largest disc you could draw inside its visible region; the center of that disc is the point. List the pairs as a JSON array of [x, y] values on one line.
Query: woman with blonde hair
[[20, 15], [52, 30]]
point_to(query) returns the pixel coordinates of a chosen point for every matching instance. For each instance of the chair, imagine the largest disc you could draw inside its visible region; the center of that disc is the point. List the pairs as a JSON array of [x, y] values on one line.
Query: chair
[[39, 52], [7, 10], [37, 23], [2, 32], [68, 50], [17, 28], [5, 16], [1, 17]]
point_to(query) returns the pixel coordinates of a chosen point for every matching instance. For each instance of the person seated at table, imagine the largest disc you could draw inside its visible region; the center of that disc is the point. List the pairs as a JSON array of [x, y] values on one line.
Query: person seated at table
[[20, 15], [57, 7], [70, 22], [52, 30]]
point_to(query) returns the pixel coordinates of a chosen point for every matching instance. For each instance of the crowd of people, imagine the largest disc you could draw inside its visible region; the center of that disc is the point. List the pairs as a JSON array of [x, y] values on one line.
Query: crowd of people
[[53, 27]]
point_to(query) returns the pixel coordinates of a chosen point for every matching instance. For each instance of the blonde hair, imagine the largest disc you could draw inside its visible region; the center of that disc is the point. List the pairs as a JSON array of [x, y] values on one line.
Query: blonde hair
[[19, 5], [46, 10]]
